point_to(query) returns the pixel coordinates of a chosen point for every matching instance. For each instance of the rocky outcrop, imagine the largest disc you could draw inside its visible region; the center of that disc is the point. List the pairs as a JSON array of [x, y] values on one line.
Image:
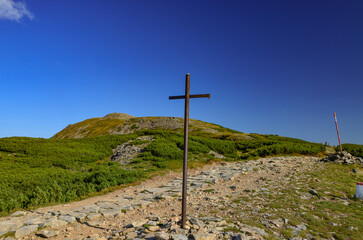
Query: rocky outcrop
[[126, 152], [343, 157], [216, 155]]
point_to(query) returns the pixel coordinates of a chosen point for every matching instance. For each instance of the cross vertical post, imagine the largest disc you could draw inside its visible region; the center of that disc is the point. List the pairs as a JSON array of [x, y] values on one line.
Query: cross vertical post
[[185, 155], [187, 96]]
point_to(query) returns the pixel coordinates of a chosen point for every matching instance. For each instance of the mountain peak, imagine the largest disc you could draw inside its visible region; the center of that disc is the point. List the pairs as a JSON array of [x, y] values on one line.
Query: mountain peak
[[122, 116]]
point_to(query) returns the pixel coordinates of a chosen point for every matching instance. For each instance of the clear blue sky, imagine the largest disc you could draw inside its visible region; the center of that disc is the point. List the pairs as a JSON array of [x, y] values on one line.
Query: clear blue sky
[[271, 67]]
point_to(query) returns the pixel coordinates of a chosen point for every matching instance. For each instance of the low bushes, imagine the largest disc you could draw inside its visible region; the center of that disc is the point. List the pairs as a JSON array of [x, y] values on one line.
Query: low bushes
[[39, 171], [354, 149], [42, 171]]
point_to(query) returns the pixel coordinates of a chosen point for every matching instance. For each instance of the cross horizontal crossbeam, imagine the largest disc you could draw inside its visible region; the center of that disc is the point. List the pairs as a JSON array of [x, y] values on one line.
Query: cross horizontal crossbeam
[[190, 96]]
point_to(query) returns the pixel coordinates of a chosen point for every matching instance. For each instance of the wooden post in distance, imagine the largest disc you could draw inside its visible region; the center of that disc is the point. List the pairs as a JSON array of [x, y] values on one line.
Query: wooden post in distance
[[336, 125]]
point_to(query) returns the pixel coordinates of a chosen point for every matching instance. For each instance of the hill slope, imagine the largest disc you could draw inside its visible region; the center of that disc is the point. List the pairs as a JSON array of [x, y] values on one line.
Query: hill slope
[[79, 161], [37, 171], [121, 123]]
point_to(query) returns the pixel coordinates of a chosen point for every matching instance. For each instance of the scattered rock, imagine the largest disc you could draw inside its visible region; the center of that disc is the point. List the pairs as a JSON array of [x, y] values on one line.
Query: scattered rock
[[93, 216], [211, 219], [313, 192], [80, 216], [37, 221], [180, 231], [257, 230], [342, 157], [25, 231], [131, 235], [301, 226], [18, 214], [352, 228], [139, 222], [48, 233], [153, 228], [68, 219], [216, 155], [205, 236], [53, 223], [9, 225], [162, 236], [110, 212], [178, 237], [9, 238]]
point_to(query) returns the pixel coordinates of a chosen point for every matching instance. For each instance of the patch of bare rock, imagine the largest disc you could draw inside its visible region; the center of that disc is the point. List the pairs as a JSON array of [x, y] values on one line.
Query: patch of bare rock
[[154, 212], [343, 157], [126, 152]]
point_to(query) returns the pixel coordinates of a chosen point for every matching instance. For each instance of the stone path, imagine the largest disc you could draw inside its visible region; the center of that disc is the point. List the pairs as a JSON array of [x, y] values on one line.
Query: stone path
[[150, 213]]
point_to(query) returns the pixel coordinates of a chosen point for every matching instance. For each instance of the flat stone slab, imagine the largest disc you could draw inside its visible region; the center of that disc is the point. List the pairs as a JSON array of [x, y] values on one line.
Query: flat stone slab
[[126, 207], [35, 221], [139, 223], [141, 203], [162, 236], [68, 219], [9, 226], [110, 212], [48, 233], [107, 205], [211, 219], [94, 216], [78, 215], [53, 223], [25, 231], [18, 214]]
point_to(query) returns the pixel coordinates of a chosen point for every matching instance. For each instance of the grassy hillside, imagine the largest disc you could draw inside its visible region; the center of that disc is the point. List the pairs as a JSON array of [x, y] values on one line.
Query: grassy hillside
[[39, 171], [43, 171], [94, 126], [120, 123]]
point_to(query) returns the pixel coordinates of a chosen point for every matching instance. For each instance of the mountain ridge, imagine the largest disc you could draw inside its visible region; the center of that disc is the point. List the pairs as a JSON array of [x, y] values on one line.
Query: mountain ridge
[[122, 123]]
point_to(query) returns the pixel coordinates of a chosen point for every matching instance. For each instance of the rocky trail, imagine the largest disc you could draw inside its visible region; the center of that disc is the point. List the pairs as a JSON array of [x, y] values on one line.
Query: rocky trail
[[225, 201]]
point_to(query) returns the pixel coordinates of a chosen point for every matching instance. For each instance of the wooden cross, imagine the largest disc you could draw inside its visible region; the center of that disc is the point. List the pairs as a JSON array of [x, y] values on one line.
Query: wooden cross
[[186, 131]]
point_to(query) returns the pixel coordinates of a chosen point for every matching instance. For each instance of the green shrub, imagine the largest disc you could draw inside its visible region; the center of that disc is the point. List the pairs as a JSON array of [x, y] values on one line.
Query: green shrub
[[354, 149], [280, 148], [219, 146], [138, 142], [161, 147], [160, 165], [193, 146]]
